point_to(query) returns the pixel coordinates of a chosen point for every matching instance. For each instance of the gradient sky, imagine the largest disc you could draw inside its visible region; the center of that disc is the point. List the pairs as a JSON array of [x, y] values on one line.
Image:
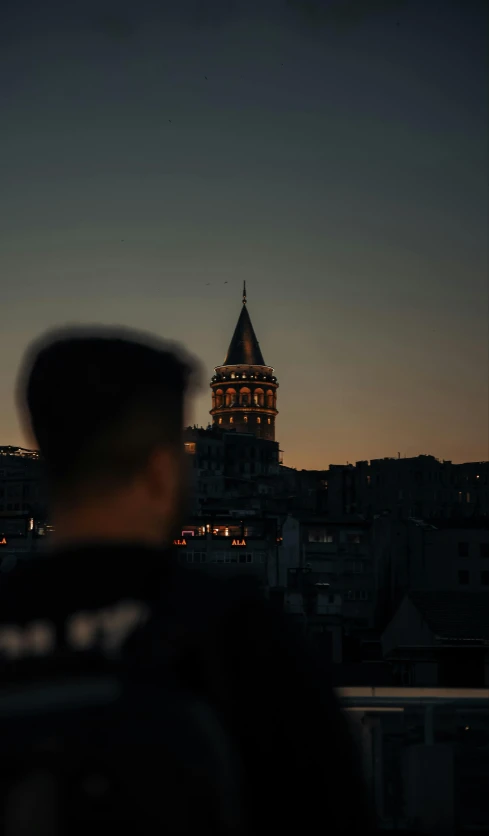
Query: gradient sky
[[333, 154]]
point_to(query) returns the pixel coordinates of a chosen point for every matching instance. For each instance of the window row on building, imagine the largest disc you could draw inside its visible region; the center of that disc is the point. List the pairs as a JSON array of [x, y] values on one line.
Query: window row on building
[[320, 534], [222, 557], [245, 397], [13, 506], [228, 530], [464, 549], [357, 595], [255, 420], [464, 577], [323, 563]]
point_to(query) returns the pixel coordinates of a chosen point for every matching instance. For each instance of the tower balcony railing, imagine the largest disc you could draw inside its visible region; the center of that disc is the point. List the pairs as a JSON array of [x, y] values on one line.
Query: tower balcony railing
[[251, 407], [253, 375]]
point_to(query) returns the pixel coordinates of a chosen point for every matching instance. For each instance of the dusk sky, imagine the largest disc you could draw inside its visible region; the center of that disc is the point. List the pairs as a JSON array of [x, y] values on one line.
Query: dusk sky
[[332, 154]]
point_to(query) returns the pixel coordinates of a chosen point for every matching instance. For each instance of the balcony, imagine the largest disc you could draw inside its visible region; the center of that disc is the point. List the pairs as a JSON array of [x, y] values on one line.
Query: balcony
[[248, 407], [238, 374], [425, 755]]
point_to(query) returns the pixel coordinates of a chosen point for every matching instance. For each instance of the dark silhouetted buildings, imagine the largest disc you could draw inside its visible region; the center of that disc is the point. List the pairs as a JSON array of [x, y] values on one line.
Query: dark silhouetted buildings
[[421, 487]]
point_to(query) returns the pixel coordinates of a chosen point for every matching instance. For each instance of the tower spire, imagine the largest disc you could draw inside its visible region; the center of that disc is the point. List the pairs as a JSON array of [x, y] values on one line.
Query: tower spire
[[244, 347]]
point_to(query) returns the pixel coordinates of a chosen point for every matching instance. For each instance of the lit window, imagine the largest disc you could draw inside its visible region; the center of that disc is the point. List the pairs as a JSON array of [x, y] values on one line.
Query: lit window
[[220, 420], [258, 420], [269, 420], [233, 375], [231, 420], [190, 447], [320, 535], [246, 419]]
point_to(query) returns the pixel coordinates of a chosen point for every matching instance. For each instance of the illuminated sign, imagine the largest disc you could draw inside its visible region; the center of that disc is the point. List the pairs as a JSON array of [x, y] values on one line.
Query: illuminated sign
[[238, 543], [179, 542], [3, 542]]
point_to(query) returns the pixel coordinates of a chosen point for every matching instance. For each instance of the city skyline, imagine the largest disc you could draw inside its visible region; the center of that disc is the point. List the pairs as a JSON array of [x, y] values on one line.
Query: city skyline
[[153, 162]]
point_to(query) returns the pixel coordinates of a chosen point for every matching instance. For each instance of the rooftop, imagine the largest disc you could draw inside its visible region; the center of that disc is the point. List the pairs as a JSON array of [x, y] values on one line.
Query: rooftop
[[18, 452], [454, 615], [473, 523]]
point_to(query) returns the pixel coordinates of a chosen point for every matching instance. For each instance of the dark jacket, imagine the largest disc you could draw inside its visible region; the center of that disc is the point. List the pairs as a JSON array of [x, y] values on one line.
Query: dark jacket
[[301, 769]]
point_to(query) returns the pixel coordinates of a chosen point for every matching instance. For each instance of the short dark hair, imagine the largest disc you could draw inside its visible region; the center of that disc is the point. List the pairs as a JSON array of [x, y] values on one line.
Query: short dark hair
[[99, 402]]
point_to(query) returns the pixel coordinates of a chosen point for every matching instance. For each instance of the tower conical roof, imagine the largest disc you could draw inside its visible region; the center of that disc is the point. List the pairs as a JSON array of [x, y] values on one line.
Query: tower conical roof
[[244, 348]]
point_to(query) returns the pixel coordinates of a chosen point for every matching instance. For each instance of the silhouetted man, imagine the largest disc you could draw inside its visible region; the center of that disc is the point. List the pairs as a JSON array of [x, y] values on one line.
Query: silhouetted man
[[107, 412]]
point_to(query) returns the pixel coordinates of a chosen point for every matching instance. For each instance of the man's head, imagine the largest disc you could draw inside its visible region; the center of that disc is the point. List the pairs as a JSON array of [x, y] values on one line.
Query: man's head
[[107, 411]]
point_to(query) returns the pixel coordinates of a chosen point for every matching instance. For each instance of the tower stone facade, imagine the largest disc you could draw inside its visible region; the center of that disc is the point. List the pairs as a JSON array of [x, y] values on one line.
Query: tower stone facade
[[244, 388]]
